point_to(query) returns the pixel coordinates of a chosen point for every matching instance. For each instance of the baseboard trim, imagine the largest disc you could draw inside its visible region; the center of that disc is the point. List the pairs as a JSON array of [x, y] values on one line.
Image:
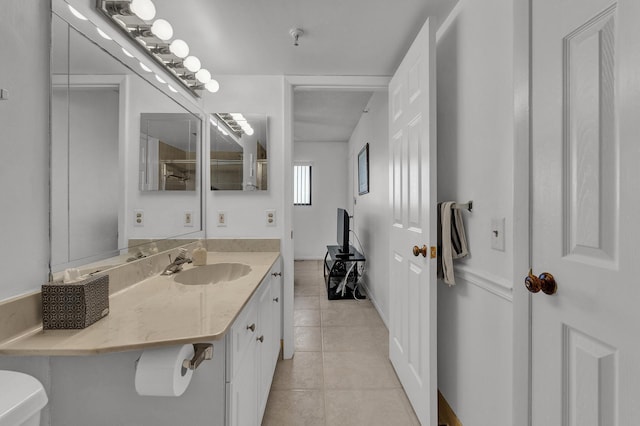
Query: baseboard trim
[[375, 304], [446, 415], [495, 285]]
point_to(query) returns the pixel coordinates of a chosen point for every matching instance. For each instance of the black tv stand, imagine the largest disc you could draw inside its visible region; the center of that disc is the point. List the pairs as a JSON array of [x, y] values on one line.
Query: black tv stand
[[336, 266]]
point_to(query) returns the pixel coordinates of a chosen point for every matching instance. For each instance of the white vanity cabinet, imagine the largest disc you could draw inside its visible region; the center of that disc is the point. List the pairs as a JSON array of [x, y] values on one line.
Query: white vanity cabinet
[[253, 345]]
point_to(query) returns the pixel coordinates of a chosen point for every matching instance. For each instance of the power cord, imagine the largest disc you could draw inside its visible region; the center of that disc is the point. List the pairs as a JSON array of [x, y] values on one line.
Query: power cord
[[362, 266]]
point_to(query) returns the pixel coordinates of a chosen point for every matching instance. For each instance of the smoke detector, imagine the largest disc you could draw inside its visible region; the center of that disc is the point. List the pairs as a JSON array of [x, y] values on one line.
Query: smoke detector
[[295, 34]]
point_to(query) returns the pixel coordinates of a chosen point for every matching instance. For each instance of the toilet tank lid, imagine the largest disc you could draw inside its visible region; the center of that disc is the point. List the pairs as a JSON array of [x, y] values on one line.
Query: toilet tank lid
[[21, 396]]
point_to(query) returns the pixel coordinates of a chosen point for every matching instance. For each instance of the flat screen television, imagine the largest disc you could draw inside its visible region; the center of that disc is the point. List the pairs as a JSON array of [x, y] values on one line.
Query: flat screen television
[[343, 230]]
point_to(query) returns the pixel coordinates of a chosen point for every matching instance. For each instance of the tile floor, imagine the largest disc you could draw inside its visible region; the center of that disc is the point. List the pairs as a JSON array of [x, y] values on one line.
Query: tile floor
[[340, 374]]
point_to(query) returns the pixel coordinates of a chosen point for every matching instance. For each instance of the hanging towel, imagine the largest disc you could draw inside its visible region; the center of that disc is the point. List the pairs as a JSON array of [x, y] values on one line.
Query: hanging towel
[[452, 241]]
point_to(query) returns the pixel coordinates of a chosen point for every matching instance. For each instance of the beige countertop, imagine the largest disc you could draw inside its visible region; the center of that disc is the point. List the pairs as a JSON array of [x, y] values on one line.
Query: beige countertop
[[156, 312]]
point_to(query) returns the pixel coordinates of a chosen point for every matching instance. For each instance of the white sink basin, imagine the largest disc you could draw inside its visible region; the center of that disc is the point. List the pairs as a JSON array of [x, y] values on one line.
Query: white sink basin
[[211, 274]]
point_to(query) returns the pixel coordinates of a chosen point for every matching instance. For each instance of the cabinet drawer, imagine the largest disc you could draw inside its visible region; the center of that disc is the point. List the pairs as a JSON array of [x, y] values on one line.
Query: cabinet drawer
[[242, 335]]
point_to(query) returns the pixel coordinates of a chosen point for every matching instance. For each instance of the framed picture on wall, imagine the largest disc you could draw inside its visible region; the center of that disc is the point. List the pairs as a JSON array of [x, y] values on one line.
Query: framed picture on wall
[[363, 170]]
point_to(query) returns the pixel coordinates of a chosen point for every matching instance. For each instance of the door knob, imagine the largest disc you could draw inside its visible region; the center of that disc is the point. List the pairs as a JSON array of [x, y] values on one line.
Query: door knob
[[544, 282], [417, 250]]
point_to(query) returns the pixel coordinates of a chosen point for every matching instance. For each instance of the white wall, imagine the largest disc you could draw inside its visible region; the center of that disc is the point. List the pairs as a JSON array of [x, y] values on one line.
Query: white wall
[[24, 141], [475, 154], [315, 225], [24, 120], [246, 210], [371, 211], [163, 210]]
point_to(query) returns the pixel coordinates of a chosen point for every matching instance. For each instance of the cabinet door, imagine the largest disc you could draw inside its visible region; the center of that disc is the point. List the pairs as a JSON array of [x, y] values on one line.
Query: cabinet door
[[267, 336], [243, 402]]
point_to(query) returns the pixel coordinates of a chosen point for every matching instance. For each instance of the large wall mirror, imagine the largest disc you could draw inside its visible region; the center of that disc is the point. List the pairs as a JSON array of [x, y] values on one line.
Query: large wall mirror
[[239, 151], [99, 107]]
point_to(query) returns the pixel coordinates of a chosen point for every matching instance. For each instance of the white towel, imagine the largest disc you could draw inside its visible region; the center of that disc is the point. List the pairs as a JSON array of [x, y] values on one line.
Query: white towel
[[452, 240]]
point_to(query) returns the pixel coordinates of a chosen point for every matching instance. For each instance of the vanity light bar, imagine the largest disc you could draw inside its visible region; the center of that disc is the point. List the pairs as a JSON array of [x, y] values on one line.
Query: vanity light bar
[[135, 18], [236, 123]]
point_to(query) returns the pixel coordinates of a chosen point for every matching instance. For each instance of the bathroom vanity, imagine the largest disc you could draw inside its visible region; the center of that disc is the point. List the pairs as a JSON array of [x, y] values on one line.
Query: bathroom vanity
[[92, 370]]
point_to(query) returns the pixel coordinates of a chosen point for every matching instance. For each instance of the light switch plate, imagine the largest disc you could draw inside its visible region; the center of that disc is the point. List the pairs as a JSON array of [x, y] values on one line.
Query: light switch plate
[[188, 218], [222, 218], [497, 233]]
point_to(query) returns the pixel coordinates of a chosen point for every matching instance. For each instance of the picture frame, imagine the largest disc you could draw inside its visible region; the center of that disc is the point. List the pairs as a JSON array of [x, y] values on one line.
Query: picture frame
[[363, 170]]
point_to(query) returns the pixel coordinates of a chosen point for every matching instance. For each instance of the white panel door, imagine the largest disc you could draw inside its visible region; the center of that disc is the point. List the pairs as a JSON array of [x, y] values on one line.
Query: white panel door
[[412, 284], [586, 230]]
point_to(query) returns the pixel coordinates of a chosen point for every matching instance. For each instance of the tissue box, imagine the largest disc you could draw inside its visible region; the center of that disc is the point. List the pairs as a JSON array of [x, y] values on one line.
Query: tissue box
[[75, 305]]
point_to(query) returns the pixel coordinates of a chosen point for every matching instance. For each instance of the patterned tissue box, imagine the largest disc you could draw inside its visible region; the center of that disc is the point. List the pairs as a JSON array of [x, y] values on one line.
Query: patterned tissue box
[[75, 305]]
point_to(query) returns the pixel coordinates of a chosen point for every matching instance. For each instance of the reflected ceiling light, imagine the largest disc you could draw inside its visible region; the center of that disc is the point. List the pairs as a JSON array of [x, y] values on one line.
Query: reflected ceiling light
[[162, 29], [172, 89], [203, 76], [237, 116], [77, 14], [212, 86], [143, 9], [144, 67], [249, 131], [103, 34], [160, 79], [179, 48], [126, 52], [191, 63]]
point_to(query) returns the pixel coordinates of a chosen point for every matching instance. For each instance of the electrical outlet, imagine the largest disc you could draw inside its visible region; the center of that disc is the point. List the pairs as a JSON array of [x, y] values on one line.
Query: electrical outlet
[[222, 218], [271, 217], [188, 218], [497, 234], [138, 218]]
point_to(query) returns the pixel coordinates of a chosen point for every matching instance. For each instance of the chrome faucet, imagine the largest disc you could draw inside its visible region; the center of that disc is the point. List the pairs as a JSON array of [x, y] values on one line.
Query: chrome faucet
[[176, 265]]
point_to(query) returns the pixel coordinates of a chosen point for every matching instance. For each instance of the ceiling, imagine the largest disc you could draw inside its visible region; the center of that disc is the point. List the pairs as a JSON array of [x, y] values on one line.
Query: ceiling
[[327, 115], [341, 37]]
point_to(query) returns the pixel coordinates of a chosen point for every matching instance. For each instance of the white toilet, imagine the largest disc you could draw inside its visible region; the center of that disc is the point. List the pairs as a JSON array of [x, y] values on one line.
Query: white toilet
[[22, 397]]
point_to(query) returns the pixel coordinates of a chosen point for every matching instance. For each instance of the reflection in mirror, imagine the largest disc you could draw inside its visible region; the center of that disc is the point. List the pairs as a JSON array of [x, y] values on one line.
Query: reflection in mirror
[[97, 103], [168, 152], [239, 150]]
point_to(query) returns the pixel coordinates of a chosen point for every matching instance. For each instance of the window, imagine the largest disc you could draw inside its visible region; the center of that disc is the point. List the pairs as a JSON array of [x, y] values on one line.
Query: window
[[302, 185]]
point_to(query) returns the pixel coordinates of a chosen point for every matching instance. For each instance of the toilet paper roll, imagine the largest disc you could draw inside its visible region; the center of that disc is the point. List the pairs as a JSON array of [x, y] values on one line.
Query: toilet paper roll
[[160, 373]]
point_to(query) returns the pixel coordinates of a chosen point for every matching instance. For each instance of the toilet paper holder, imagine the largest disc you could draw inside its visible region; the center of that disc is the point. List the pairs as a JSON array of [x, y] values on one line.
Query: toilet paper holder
[[203, 351]]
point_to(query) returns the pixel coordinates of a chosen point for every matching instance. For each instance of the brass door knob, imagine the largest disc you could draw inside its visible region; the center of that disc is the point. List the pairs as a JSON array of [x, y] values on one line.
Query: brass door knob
[[417, 250], [260, 339], [544, 282], [252, 327]]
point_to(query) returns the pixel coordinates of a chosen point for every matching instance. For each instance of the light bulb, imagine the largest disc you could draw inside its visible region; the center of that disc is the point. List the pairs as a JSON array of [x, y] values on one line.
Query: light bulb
[[203, 76], [126, 52], [143, 9], [160, 79], [162, 29], [179, 48], [144, 67], [192, 63], [212, 86], [77, 14], [103, 34], [172, 89], [249, 131]]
